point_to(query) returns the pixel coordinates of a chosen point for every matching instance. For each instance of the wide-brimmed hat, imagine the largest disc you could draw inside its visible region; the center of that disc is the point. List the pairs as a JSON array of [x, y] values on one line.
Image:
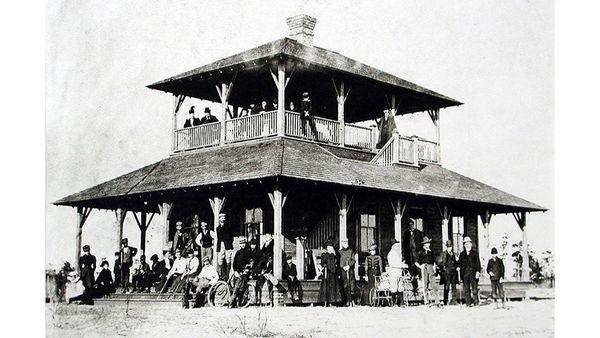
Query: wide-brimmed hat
[[467, 239], [154, 257], [124, 241], [177, 250], [203, 223], [426, 240], [448, 243]]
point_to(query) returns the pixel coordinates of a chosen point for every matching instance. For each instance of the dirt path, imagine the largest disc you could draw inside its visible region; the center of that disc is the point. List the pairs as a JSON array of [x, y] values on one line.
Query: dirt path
[[531, 319]]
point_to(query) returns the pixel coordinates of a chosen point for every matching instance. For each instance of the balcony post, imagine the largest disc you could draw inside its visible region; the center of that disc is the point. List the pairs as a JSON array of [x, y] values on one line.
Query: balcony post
[[396, 147], [281, 98], [415, 141]]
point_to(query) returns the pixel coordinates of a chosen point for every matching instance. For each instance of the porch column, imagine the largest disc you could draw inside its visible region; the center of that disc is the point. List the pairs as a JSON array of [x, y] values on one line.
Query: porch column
[[484, 236], [522, 222], [178, 101], [216, 205], [434, 114], [224, 91], [277, 201], [341, 96], [120, 214], [165, 215], [445, 213], [82, 215], [143, 223], [343, 206], [300, 257], [281, 82], [398, 206]]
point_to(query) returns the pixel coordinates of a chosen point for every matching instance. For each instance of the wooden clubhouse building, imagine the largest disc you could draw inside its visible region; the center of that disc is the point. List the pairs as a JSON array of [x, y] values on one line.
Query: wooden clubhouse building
[[267, 176]]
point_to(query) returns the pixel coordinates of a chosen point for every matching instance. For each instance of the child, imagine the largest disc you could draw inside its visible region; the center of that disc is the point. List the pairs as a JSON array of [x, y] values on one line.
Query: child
[[374, 266], [495, 268]]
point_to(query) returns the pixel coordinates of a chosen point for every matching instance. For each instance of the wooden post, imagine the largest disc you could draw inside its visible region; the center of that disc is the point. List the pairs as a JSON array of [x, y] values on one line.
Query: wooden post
[[216, 205], [396, 147], [484, 236], [434, 114], [82, 215], [415, 144], [120, 214], [281, 98], [341, 96], [300, 264], [165, 215], [522, 222], [445, 214], [343, 213], [224, 92], [398, 206], [277, 201], [178, 101], [143, 223]]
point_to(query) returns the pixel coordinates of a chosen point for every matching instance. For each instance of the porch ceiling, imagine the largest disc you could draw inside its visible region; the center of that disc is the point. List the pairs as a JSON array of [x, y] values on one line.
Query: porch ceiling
[[283, 157]]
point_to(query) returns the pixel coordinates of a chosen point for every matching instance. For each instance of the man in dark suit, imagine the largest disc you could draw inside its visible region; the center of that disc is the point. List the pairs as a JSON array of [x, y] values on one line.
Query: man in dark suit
[[306, 115], [411, 244], [208, 118], [191, 121], [449, 275], [470, 268]]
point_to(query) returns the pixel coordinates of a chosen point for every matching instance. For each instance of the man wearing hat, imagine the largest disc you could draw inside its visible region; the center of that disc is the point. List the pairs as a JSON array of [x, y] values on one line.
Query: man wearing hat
[[495, 268], [180, 238], [386, 126], [373, 265], [329, 292], [449, 274], [208, 118], [306, 115], [290, 273], [127, 254], [205, 241], [470, 267], [241, 261], [411, 244], [426, 263], [224, 247], [87, 264], [207, 277], [347, 262], [191, 121]]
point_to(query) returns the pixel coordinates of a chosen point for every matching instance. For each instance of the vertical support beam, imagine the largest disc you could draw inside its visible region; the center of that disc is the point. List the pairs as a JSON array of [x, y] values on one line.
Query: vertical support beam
[[343, 214], [438, 134], [522, 222], [80, 220], [165, 214], [445, 214], [300, 264], [120, 214], [143, 228], [415, 148], [173, 125], [281, 98], [396, 147], [224, 105], [216, 205], [277, 201], [484, 236]]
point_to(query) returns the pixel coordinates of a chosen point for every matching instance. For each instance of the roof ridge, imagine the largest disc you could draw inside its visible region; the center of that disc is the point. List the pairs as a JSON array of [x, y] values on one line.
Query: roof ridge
[[143, 178]]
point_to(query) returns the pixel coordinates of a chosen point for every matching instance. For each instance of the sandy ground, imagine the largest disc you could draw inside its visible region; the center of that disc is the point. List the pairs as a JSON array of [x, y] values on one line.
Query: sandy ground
[[529, 318]]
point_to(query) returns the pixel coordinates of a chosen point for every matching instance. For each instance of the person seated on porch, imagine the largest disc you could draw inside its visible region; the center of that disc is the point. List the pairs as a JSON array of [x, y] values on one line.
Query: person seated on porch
[[75, 291], [164, 266], [191, 121], [205, 241], [208, 117], [155, 271], [243, 112], [104, 282], [291, 275], [386, 125], [193, 265], [207, 277], [178, 268], [141, 280], [306, 115]]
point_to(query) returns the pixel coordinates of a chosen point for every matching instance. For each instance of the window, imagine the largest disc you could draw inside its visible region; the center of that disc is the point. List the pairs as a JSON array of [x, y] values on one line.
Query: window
[[458, 232], [253, 221], [419, 224], [367, 231]]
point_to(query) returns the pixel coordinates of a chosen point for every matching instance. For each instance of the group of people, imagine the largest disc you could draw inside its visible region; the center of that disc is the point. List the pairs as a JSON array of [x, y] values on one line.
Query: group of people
[[193, 121]]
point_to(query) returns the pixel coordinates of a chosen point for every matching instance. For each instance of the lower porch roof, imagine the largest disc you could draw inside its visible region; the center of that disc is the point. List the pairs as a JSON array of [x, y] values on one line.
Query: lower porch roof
[[284, 157]]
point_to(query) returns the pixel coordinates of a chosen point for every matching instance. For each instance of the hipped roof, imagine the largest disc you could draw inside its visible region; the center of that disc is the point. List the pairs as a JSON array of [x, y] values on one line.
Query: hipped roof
[[283, 157], [290, 49]]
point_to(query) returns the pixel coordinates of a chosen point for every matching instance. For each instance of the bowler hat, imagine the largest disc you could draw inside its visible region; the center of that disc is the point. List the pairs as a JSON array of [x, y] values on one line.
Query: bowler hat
[[328, 243], [243, 240], [86, 248], [207, 110], [494, 251], [467, 239], [124, 241], [154, 257], [448, 243]]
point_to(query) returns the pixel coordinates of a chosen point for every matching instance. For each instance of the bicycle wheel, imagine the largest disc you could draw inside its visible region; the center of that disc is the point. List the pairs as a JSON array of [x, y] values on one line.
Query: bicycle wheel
[[218, 294], [245, 298], [373, 301]]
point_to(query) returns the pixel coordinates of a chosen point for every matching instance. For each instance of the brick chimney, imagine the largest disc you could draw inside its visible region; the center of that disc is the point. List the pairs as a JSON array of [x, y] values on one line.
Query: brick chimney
[[301, 28]]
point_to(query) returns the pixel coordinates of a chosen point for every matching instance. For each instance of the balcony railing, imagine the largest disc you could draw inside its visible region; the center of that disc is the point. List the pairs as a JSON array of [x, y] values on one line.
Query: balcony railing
[[399, 149], [407, 150]]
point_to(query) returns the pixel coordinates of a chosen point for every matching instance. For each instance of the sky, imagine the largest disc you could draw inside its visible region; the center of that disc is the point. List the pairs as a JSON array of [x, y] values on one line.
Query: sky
[[102, 122]]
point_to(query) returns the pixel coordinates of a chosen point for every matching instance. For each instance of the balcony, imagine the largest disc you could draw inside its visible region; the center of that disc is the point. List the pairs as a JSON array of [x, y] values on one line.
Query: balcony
[[399, 149]]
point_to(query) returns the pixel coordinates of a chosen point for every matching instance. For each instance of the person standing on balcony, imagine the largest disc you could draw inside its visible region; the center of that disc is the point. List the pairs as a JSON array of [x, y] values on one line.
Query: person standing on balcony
[[306, 115], [208, 117], [386, 125], [191, 121]]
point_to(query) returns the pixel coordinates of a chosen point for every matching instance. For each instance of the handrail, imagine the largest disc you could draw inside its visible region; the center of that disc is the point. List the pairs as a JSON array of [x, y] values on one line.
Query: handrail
[[326, 130], [383, 151], [201, 136], [251, 126]]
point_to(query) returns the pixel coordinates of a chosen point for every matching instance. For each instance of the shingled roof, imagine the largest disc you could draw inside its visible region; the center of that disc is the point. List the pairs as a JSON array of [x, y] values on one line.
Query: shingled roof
[[320, 57], [283, 157]]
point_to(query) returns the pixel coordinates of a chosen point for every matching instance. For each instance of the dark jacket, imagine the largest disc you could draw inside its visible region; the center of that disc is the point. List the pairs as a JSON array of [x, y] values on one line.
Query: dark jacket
[[128, 254], [289, 271], [241, 259], [224, 235], [330, 288], [306, 107], [189, 123], [208, 119], [266, 252], [496, 266], [411, 256], [469, 264], [386, 128], [448, 263], [374, 265], [104, 278]]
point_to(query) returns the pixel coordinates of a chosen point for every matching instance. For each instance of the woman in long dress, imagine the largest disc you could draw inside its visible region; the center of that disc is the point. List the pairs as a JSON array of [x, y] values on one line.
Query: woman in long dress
[[386, 126], [330, 291]]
